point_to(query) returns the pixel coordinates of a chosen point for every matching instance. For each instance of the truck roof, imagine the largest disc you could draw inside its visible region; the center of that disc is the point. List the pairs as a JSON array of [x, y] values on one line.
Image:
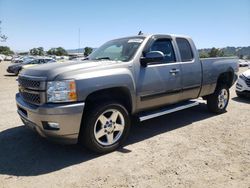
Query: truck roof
[[149, 35]]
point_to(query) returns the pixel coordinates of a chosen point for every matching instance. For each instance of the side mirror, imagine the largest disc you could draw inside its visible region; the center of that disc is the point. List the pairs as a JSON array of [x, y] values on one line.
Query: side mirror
[[152, 57]]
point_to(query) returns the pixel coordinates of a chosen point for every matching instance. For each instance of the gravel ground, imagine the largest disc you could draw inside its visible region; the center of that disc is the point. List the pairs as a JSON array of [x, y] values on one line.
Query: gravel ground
[[190, 148]]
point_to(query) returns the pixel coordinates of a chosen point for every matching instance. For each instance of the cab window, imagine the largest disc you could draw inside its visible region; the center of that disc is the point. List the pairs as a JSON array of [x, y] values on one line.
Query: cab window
[[165, 46], [185, 49]]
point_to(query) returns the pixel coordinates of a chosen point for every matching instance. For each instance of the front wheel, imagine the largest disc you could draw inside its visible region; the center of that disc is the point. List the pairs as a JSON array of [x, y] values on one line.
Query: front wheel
[[105, 127], [218, 101]]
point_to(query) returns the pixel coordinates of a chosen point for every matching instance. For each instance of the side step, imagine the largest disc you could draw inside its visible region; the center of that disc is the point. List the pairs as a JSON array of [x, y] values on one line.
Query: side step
[[167, 110]]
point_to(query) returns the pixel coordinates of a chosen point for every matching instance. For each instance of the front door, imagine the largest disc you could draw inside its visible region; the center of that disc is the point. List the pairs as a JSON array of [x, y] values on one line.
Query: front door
[[159, 83]]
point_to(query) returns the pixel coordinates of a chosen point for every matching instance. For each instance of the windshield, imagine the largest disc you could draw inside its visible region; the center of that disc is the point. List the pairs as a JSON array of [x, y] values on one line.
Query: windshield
[[118, 50]]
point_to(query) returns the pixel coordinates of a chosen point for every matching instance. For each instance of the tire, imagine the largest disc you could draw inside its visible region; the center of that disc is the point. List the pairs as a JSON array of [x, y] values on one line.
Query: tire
[[218, 101], [17, 72], [98, 121]]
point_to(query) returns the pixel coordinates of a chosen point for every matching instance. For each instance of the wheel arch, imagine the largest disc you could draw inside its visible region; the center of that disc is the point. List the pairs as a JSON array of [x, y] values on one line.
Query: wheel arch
[[120, 94], [226, 78]]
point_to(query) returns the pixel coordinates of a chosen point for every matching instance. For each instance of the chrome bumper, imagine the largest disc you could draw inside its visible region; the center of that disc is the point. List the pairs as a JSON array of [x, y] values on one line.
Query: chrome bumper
[[67, 116]]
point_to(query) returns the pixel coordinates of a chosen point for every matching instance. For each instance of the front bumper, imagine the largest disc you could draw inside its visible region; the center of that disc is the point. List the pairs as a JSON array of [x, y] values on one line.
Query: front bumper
[[13, 70], [9, 70], [242, 87], [68, 116]]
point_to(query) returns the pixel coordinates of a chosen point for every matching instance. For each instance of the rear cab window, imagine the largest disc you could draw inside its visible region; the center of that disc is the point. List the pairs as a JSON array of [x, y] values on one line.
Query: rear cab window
[[185, 49]]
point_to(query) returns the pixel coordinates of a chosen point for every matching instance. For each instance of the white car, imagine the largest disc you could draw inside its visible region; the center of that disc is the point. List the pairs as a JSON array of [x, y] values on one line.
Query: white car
[[8, 58], [243, 84], [2, 57], [243, 63]]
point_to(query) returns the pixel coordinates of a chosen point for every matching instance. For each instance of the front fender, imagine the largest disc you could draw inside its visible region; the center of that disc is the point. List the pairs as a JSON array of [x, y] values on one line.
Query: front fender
[[93, 81]]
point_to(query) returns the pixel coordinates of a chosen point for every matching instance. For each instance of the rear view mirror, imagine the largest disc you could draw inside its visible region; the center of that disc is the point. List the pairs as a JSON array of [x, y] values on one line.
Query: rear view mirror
[[152, 57]]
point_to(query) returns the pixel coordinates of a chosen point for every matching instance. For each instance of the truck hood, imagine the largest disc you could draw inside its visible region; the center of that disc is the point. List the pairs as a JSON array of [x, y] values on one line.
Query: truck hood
[[28, 66], [247, 73], [52, 70]]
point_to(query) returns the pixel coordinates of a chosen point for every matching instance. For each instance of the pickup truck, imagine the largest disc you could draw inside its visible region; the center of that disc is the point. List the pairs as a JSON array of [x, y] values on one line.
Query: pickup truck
[[91, 102]]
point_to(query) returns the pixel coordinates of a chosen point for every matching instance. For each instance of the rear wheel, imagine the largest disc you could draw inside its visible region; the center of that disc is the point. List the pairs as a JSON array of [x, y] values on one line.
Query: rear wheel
[[105, 127], [218, 101]]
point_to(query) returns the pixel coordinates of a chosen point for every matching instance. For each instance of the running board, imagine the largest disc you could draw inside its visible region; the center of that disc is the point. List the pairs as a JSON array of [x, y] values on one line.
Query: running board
[[168, 110]]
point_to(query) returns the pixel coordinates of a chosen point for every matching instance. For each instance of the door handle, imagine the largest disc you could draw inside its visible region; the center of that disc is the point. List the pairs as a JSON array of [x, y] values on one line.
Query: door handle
[[174, 71]]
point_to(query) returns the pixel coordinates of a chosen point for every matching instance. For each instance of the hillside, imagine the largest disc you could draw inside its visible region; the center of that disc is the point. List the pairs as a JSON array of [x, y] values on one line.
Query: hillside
[[231, 51], [80, 50]]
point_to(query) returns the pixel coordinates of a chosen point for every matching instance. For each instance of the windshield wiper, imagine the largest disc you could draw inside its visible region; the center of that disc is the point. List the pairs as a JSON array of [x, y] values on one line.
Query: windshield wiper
[[100, 58]]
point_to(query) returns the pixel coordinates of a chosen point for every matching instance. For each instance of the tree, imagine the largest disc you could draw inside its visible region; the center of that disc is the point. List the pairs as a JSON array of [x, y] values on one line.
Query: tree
[[3, 37], [34, 51], [40, 51], [5, 50], [23, 53], [51, 51], [215, 52], [240, 56], [37, 51], [87, 51], [204, 54], [57, 51], [61, 51]]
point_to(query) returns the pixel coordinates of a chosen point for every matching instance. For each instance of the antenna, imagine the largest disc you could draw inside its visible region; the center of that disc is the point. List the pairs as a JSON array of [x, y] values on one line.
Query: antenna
[[140, 33], [79, 39]]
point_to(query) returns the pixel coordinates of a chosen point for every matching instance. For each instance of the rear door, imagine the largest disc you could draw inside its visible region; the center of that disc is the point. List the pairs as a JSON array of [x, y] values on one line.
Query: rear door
[[191, 69], [160, 83]]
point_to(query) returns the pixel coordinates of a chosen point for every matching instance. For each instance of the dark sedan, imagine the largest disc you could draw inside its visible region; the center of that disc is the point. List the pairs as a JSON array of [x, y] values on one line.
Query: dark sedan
[[17, 67]]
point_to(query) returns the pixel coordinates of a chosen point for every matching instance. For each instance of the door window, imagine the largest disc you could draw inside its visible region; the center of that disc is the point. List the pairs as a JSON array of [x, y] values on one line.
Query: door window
[[165, 46]]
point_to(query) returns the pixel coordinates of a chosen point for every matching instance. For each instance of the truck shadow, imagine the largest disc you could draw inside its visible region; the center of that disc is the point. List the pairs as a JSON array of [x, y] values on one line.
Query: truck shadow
[[24, 153], [241, 99], [10, 75]]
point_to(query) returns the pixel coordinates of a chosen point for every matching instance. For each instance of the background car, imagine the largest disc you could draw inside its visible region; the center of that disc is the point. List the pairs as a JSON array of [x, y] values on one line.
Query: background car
[[17, 67], [8, 58], [1, 58], [243, 84], [243, 63], [21, 59], [38, 62]]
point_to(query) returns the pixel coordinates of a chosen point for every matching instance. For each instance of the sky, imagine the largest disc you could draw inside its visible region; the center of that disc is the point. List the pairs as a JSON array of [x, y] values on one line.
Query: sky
[[53, 23]]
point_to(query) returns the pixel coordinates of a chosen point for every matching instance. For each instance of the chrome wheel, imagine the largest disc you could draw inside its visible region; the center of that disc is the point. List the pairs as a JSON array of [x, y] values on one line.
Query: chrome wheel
[[109, 127], [222, 98]]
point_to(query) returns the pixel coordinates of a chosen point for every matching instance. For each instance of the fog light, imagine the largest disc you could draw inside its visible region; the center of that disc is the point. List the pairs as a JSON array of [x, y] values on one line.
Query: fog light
[[51, 125]]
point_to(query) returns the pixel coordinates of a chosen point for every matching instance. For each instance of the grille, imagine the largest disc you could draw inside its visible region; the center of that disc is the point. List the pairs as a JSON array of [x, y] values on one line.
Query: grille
[[247, 80], [25, 83], [32, 89], [31, 97]]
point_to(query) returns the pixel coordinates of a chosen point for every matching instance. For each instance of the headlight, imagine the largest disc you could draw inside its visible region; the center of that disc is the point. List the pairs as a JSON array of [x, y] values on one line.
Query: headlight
[[61, 91]]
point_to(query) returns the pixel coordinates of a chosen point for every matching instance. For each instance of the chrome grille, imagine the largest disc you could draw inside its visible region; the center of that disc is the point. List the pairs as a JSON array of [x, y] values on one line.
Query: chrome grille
[[31, 97], [32, 89], [27, 83]]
